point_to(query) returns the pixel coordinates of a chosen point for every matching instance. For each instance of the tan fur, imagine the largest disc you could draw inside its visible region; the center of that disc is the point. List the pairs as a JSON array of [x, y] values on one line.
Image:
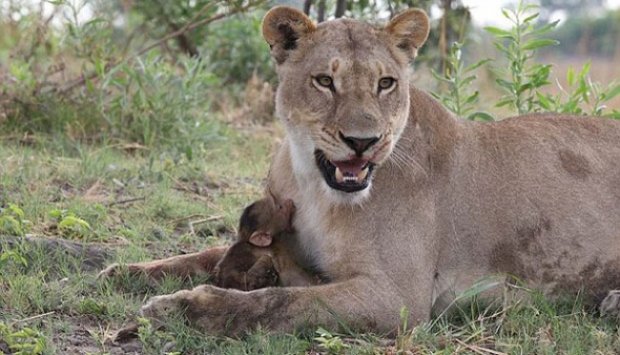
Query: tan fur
[[451, 201]]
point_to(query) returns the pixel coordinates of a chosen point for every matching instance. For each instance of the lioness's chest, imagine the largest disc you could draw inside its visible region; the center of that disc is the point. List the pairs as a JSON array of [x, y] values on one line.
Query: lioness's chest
[[334, 240]]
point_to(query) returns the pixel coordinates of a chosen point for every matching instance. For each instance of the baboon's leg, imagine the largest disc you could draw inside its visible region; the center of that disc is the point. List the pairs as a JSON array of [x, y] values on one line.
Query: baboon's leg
[[188, 265]]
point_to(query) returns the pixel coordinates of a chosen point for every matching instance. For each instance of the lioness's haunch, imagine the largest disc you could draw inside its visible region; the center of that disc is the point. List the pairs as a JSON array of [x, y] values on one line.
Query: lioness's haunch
[[260, 257], [399, 203]]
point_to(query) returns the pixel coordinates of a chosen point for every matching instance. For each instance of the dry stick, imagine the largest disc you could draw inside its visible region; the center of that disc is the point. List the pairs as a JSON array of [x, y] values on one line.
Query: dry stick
[[186, 218], [188, 27], [200, 221], [28, 319], [477, 349], [129, 200]]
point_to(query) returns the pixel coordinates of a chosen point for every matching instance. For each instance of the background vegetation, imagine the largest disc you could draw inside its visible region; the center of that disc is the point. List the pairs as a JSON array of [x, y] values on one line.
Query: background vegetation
[[132, 130]]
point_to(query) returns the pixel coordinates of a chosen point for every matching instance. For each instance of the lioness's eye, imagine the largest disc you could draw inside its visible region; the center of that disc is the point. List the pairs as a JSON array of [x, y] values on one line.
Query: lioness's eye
[[386, 83], [324, 81]]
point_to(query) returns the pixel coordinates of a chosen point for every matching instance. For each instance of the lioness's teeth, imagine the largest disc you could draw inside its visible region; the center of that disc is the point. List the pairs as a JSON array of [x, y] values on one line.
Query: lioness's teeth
[[339, 176], [362, 174]]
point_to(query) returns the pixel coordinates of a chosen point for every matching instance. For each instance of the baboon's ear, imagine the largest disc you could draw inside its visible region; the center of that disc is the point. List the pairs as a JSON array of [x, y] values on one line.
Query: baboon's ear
[[282, 27], [261, 239], [409, 30]]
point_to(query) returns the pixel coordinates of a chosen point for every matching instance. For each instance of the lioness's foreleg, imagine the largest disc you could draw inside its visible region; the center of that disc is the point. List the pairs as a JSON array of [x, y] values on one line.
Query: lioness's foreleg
[[360, 304], [188, 265]]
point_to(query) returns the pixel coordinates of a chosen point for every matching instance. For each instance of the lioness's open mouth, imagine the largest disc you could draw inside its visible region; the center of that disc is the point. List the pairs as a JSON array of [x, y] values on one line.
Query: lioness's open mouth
[[348, 175]]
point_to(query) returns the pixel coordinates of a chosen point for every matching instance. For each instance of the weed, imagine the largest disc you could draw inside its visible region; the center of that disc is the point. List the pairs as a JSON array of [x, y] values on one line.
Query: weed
[[24, 341], [8, 256], [518, 45], [581, 92], [459, 97], [12, 221], [333, 344]]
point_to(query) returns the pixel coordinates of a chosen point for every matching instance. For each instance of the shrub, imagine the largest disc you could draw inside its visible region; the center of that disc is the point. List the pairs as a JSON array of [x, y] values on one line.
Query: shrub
[[524, 80], [79, 80]]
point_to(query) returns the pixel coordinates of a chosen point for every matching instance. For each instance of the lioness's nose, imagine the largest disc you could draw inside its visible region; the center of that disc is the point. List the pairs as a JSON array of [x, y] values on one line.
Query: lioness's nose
[[359, 145]]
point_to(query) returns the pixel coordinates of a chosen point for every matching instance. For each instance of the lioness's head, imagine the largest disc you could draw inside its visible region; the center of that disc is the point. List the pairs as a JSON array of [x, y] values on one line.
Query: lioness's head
[[343, 93]]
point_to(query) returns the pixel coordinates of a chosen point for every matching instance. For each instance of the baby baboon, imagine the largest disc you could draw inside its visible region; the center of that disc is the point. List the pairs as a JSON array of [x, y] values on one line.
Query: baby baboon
[[260, 257]]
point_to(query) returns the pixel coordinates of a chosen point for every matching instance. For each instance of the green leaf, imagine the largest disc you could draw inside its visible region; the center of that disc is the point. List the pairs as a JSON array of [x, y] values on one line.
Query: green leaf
[[95, 21], [613, 92], [440, 77], [17, 212], [539, 43], [504, 102], [615, 114], [544, 29], [505, 84], [56, 213], [10, 225], [472, 98], [481, 286], [531, 17], [498, 32], [16, 257], [570, 76], [467, 81], [506, 14], [544, 101], [481, 116], [71, 222], [477, 65]]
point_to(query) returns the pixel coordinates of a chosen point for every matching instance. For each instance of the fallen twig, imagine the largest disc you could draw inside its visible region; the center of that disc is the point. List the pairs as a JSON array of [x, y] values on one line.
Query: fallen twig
[[200, 221], [478, 349], [122, 202], [28, 319], [186, 218]]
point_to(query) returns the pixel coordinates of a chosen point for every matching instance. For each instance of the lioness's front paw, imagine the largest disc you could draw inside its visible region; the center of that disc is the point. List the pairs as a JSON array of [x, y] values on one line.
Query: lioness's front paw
[[159, 307], [214, 310], [611, 304]]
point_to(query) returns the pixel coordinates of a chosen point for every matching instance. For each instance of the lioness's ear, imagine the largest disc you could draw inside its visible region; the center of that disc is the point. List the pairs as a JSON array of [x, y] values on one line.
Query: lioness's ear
[[282, 27], [261, 239], [409, 30]]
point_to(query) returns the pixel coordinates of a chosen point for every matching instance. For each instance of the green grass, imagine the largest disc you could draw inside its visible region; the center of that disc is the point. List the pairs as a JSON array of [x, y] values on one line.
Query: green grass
[[140, 204]]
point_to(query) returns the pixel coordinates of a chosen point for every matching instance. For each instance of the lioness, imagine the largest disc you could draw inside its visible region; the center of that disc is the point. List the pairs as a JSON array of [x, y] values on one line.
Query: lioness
[[401, 204], [261, 256]]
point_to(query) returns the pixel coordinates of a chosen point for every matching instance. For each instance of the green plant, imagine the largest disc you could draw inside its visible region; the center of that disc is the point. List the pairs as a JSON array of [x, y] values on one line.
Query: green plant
[[457, 78], [580, 93], [404, 338], [154, 102], [332, 343], [235, 49], [70, 225], [16, 257], [12, 220], [518, 45], [102, 81], [24, 341], [92, 307]]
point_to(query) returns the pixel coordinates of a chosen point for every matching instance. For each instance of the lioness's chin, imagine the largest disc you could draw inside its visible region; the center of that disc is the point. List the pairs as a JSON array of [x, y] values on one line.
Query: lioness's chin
[[338, 197]]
